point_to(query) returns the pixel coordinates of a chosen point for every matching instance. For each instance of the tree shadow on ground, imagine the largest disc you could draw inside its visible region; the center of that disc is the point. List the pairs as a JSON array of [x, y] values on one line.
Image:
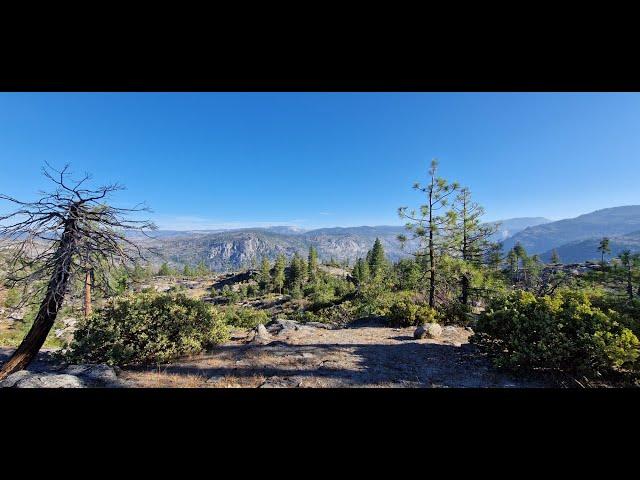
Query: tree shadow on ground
[[411, 364]]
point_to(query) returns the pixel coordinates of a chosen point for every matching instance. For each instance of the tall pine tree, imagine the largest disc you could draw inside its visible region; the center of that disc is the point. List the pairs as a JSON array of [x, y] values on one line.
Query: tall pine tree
[[312, 264], [471, 237], [429, 223], [377, 260], [278, 273]]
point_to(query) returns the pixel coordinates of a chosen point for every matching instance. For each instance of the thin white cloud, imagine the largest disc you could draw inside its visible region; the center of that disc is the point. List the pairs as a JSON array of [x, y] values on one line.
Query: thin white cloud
[[325, 213]]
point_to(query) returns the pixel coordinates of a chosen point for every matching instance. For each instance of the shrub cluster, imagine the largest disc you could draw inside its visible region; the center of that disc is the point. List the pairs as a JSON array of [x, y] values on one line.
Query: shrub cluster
[[146, 328], [405, 312], [245, 317], [563, 332]]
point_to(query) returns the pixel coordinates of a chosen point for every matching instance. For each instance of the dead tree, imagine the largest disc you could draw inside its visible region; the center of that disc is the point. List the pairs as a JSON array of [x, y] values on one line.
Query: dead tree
[[70, 232]]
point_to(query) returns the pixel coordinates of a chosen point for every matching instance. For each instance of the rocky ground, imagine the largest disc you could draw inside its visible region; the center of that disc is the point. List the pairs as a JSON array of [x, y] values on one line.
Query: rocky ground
[[288, 354], [369, 355]]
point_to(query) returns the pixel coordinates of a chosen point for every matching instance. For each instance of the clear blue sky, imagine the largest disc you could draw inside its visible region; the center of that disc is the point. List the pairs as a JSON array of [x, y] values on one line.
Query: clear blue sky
[[210, 160]]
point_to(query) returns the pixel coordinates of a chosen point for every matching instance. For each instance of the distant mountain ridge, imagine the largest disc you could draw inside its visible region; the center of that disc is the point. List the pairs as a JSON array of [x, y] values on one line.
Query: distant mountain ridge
[[241, 248], [511, 226], [234, 249], [610, 222], [583, 250]]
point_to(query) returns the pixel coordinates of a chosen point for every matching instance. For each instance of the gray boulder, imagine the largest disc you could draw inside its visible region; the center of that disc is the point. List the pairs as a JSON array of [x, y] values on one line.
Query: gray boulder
[[44, 380], [261, 335], [14, 378], [326, 326], [98, 375], [279, 325], [429, 330]]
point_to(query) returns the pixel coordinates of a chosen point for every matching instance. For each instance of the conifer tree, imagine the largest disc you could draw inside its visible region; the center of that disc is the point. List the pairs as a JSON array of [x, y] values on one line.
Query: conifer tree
[[312, 264], [471, 237], [164, 270], [555, 258], [264, 280], [604, 248], [202, 269], [376, 259], [629, 261], [296, 274], [512, 261], [278, 273], [429, 224]]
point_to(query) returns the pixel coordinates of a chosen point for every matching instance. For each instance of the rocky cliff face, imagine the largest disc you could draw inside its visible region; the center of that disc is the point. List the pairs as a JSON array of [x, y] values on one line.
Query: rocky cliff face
[[245, 248]]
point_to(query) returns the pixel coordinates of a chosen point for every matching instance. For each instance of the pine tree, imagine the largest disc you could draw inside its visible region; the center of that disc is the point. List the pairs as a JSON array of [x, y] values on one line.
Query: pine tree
[[164, 270], [494, 256], [265, 275], [427, 224], [187, 271], [555, 258], [376, 259], [202, 269], [297, 272], [629, 261], [471, 237], [361, 271], [278, 273], [603, 247], [312, 264], [512, 261]]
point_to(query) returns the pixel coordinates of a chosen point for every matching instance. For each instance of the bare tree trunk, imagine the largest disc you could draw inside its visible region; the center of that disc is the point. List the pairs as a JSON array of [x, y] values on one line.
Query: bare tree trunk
[[46, 317], [88, 283]]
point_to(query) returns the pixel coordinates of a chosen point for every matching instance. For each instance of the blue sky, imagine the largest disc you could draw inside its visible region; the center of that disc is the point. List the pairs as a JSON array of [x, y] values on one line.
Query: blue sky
[[224, 160]]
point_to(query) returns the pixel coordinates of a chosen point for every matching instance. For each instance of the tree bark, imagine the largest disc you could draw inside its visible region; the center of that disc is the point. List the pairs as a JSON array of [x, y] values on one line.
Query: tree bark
[[465, 289], [88, 283], [48, 311]]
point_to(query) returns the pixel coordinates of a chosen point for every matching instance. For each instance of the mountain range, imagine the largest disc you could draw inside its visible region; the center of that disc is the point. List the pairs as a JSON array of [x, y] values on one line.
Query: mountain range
[[575, 240], [233, 249], [609, 222]]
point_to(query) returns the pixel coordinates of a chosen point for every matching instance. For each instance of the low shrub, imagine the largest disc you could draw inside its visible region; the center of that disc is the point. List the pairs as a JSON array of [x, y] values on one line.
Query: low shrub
[[564, 332], [404, 311], [340, 314], [245, 317], [146, 328]]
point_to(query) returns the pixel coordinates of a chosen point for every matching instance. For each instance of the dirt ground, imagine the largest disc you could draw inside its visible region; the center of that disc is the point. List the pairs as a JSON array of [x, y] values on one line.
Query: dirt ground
[[364, 356]]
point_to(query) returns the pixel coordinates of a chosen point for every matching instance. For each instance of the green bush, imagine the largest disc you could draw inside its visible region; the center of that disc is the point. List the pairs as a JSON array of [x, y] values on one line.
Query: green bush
[[245, 317], [12, 298], [340, 314], [564, 332], [406, 312], [146, 328]]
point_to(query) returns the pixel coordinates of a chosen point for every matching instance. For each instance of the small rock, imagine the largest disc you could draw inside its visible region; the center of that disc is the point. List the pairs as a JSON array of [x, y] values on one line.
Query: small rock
[[430, 330]]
